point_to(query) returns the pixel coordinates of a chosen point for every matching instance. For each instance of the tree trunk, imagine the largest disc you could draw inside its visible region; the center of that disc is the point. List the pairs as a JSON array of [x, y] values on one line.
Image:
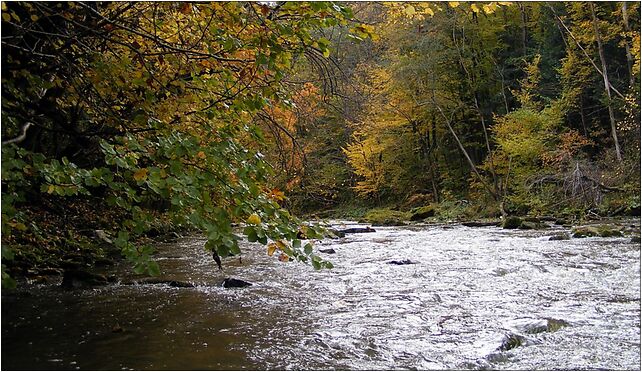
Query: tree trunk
[[523, 13], [465, 153], [627, 43], [583, 117], [600, 49]]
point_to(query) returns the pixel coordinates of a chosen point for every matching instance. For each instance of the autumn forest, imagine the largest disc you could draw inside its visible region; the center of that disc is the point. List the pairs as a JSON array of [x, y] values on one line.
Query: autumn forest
[[126, 121]]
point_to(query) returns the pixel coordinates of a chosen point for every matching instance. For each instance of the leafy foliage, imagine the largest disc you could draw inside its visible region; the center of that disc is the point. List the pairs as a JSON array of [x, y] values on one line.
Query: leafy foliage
[[153, 104]]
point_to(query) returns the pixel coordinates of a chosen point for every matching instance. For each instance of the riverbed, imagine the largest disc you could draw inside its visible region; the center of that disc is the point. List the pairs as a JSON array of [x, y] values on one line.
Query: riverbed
[[468, 298]]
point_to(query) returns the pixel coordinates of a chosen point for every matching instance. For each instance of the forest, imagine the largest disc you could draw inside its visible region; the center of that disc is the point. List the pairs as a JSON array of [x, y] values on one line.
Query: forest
[[126, 121]]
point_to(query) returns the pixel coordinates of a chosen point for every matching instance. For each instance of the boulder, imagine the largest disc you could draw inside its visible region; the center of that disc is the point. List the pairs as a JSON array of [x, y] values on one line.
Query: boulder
[[401, 262], [422, 212], [328, 251], [386, 217], [512, 341], [235, 283], [562, 236], [169, 282], [529, 225], [511, 222], [357, 230], [604, 231], [76, 278]]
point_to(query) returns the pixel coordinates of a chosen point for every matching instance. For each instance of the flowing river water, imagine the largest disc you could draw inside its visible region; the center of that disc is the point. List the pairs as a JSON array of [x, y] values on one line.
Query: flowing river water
[[473, 298]]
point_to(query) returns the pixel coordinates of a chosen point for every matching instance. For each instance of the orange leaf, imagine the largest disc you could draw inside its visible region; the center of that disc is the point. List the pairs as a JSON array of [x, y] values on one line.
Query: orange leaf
[[277, 194], [271, 248], [141, 174], [284, 257]]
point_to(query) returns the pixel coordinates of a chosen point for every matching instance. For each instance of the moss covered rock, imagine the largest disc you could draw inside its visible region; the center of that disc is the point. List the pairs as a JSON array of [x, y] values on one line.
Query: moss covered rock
[[530, 225], [422, 212], [604, 231], [511, 222], [386, 217]]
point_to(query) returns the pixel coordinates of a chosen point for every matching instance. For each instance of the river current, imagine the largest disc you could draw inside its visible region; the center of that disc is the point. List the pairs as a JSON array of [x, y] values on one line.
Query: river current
[[471, 298]]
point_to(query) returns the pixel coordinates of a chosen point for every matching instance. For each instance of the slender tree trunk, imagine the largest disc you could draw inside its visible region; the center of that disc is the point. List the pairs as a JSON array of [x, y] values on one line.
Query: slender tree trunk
[[471, 80], [600, 49], [583, 117], [588, 57], [433, 181], [627, 43], [523, 13], [501, 75], [492, 192]]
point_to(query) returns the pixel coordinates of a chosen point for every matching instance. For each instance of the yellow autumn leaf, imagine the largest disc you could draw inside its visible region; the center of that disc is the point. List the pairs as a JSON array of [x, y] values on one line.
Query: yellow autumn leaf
[[141, 174], [429, 12], [51, 189], [489, 8], [410, 10], [474, 8], [277, 194], [201, 155], [6, 17], [254, 219], [453, 4], [284, 257], [271, 248], [34, 17], [280, 244], [4, 6]]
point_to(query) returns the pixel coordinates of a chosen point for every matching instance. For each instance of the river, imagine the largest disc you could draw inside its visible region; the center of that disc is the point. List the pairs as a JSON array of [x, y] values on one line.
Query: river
[[473, 298]]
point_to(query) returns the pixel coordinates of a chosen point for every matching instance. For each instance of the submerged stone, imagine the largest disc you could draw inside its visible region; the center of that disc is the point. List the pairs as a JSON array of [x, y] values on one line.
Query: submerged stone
[[401, 262], [328, 251], [235, 283], [562, 236]]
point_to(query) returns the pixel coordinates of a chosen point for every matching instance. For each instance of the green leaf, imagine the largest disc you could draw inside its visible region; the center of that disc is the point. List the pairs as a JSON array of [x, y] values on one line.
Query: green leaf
[[153, 269]]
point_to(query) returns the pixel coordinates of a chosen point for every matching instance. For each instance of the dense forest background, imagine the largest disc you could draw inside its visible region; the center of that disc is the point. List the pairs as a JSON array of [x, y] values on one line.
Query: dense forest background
[[122, 121]]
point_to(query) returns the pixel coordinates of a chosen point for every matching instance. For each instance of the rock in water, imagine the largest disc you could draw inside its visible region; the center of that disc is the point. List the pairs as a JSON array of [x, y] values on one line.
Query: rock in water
[[328, 251], [512, 222], [235, 283], [82, 279], [357, 230], [402, 262], [604, 231], [562, 236]]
